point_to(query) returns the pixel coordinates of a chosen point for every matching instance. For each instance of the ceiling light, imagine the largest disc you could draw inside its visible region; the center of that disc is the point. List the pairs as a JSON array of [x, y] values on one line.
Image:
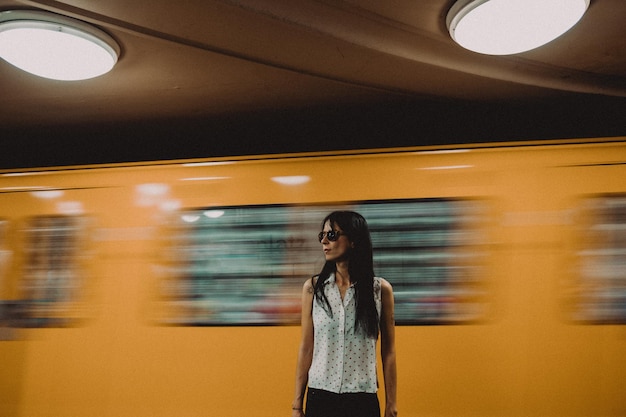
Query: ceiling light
[[214, 214], [292, 179], [47, 194], [71, 208], [504, 27], [190, 218], [56, 47]]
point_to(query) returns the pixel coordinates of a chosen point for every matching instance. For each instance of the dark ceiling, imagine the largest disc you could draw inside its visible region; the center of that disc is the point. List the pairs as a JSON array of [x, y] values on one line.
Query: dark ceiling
[[202, 78]]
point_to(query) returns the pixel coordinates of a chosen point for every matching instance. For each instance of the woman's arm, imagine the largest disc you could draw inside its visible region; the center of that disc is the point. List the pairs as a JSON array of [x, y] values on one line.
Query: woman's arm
[[305, 353], [388, 349]]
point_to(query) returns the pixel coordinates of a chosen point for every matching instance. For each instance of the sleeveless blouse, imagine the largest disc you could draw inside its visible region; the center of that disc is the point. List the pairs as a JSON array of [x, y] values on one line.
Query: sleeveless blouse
[[344, 360]]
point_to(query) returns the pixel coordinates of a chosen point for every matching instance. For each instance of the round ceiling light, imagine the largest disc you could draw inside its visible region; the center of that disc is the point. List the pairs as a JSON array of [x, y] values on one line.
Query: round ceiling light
[[55, 47], [504, 27]]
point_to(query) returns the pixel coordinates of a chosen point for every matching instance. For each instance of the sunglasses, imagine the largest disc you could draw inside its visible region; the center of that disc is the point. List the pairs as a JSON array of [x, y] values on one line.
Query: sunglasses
[[331, 235]]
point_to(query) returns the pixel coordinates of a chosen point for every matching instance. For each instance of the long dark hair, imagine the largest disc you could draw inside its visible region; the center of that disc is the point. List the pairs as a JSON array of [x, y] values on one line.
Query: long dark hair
[[360, 268]]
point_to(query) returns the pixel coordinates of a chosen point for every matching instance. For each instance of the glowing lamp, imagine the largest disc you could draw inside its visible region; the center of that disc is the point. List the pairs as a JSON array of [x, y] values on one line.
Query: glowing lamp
[[504, 27], [55, 47]]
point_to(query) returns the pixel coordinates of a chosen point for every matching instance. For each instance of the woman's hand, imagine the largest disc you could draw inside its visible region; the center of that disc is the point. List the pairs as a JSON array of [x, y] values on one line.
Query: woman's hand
[[297, 413], [391, 411]]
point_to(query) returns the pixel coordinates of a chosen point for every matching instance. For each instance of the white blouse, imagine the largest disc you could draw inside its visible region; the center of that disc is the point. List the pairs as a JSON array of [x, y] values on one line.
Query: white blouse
[[343, 360]]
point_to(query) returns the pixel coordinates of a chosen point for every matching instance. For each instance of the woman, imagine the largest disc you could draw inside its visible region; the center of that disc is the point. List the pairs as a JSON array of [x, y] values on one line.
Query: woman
[[344, 309]]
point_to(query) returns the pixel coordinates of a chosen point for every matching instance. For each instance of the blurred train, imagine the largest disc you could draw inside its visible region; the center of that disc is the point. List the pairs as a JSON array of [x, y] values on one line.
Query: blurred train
[[172, 288]]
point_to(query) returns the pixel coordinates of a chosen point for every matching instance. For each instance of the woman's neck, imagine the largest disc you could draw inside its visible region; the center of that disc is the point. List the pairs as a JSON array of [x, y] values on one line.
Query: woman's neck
[[342, 275]]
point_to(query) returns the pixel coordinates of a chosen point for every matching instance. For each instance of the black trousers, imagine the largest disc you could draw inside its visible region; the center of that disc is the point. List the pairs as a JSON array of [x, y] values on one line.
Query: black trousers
[[320, 403]]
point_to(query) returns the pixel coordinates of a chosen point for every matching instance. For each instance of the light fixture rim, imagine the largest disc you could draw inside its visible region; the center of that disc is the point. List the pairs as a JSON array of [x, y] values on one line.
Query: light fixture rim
[[36, 19], [458, 11]]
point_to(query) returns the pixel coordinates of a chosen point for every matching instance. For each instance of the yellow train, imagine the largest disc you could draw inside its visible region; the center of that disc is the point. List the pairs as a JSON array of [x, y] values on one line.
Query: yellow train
[[171, 288]]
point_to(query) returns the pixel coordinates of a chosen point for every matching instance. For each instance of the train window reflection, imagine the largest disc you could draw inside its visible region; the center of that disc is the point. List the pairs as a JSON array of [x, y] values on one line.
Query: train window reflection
[[52, 276], [247, 266], [600, 291]]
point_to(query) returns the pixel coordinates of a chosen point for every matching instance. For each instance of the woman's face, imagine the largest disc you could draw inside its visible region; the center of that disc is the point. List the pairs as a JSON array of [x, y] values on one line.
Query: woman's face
[[335, 250]]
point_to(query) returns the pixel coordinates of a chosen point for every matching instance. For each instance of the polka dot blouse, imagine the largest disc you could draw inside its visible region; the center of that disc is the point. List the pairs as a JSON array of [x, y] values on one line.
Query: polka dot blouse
[[343, 360]]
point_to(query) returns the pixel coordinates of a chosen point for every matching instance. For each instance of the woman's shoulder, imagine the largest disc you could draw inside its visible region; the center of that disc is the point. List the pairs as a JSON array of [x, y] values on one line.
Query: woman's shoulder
[[310, 282], [383, 284]]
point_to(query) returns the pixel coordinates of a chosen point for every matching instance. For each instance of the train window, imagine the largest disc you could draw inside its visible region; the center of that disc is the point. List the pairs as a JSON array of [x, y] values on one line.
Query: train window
[[52, 275], [5, 256], [246, 265], [599, 295]]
